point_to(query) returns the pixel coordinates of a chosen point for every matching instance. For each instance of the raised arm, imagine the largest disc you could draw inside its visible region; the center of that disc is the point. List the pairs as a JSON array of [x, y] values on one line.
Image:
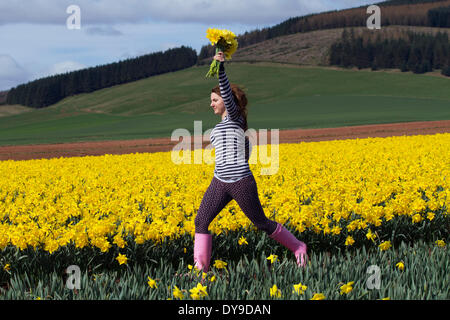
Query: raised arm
[[227, 95]]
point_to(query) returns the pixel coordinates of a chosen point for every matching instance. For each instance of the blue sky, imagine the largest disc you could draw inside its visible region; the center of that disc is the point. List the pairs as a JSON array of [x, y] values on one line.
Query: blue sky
[[35, 40]]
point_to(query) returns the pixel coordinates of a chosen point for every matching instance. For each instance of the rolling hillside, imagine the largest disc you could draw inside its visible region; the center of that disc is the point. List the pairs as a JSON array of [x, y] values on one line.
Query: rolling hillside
[[281, 96], [309, 48]]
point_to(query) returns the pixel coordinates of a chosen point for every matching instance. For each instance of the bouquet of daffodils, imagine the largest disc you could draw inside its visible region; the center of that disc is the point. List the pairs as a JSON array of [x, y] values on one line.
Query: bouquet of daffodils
[[225, 41]]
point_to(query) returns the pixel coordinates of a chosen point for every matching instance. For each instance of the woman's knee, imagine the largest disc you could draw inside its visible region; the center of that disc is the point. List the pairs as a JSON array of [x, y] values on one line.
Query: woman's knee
[[268, 226], [201, 224]]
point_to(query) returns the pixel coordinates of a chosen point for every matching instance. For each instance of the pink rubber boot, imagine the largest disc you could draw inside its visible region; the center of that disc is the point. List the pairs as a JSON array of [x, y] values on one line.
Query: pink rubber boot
[[202, 251], [287, 239]]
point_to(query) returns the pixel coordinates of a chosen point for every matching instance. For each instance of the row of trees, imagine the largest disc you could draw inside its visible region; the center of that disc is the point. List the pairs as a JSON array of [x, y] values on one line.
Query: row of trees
[[3, 95], [47, 91], [439, 17], [416, 52], [433, 13]]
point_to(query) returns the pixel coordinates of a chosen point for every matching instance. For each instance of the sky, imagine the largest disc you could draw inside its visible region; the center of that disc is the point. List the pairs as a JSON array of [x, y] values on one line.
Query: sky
[[35, 40]]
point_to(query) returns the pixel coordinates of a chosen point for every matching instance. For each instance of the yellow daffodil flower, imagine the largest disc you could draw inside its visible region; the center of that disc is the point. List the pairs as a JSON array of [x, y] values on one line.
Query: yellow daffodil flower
[[242, 241], [272, 258], [318, 296], [177, 293], [385, 245], [299, 288], [151, 283], [275, 292], [347, 288], [122, 259], [219, 264]]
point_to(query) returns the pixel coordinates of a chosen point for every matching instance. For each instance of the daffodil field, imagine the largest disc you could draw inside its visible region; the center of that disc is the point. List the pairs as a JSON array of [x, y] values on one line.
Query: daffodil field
[[127, 221]]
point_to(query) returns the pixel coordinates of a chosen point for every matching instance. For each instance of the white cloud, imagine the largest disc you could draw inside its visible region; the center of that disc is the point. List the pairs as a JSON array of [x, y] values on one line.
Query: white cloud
[[168, 45], [103, 31], [11, 73], [63, 67], [249, 12], [232, 11]]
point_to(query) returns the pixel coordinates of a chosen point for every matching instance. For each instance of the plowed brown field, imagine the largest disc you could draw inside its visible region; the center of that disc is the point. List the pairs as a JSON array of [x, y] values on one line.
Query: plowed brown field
[[27, 152]]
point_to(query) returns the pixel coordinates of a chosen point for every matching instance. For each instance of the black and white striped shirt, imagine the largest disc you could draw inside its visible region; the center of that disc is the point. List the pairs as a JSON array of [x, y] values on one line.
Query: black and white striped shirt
[[232, 148]]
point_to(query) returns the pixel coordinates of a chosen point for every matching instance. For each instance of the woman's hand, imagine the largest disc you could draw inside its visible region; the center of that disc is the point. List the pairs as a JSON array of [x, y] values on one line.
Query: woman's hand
[[216, 65], [219, 57]]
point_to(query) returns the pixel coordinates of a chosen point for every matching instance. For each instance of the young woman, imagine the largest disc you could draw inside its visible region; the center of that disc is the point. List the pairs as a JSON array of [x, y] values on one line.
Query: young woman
[[232, 176]]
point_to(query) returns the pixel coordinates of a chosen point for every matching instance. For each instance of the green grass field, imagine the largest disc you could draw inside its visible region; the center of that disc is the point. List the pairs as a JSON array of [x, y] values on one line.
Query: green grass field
[[280, 97]]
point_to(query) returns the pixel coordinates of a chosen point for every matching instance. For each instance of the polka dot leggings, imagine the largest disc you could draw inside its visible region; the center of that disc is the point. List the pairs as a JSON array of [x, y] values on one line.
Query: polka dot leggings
[[219, 194]]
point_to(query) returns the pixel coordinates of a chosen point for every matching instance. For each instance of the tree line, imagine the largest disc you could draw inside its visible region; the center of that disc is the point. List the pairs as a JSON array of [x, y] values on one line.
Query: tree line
[[439, 17], [3, 95], [49, 90], [408, 51]]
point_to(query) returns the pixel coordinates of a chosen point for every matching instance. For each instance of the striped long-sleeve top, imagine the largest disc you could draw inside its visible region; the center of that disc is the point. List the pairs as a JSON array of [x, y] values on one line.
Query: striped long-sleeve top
[[232, 148]]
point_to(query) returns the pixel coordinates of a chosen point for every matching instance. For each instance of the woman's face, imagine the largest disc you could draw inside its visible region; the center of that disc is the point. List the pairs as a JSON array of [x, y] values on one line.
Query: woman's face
[[217, 104]]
